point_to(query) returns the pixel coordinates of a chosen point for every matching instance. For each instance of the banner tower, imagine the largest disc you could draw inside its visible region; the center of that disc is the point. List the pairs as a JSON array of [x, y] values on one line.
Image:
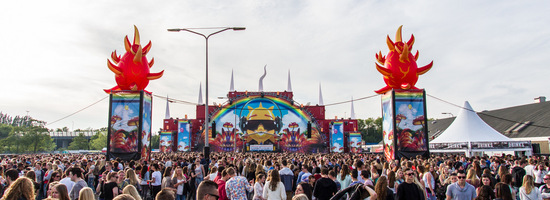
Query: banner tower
[[405, 130], [130, 106]]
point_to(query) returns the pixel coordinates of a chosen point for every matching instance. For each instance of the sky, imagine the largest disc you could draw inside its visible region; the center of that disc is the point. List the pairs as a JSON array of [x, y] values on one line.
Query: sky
[[494, 54]]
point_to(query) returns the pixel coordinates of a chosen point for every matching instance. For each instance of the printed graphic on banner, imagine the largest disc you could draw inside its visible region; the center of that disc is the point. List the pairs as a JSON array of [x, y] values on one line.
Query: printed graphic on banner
[[183, 136], [410, 121], [337, 137], [268, 120], [387, 125], [355, 143], [124, 122], [146, 128], [165, 142]]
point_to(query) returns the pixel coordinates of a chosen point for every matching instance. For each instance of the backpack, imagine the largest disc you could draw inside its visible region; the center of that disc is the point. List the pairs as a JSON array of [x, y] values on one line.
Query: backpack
[[440, 191], [186, 187], [517, 176]]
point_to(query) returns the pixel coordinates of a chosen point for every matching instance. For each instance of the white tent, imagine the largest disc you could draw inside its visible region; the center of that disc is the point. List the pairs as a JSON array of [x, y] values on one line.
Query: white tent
[[469, 133]]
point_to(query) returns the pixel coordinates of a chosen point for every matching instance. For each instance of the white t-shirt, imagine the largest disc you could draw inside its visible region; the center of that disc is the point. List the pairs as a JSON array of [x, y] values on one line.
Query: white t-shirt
[[180, 187], [539, 176], [91, 175], [279, 192], [67, 182], [529, 170], [213, 175], [425, 179], [158, 178]]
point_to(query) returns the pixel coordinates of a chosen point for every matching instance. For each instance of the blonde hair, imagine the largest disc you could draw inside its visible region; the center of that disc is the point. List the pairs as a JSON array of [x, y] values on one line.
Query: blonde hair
[[86, 194], [123, 197], [472, 175], [131, 175], [300, 197], [132, 191], [21, 187], [528, 183], [175, 174]]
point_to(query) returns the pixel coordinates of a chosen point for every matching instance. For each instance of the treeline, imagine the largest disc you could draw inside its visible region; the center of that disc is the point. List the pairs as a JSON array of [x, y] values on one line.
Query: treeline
[[23, 135], [27, 135], [19, 121]]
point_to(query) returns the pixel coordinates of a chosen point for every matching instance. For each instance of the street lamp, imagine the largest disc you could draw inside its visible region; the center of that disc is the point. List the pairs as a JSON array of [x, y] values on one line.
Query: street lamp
[[448, 113], [206, 146]]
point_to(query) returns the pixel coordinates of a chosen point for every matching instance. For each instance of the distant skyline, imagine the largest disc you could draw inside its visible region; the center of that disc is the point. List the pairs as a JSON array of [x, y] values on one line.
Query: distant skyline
[[492, 54]]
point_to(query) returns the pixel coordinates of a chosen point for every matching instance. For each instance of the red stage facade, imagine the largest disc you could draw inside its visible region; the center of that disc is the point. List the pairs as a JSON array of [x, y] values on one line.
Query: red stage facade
[[268, 122]]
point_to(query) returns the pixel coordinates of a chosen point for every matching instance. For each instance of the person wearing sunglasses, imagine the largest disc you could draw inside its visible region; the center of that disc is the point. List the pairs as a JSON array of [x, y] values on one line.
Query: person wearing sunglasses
[[111, 187], [207, 190], [409, 190], [461, 189], [545, 189]]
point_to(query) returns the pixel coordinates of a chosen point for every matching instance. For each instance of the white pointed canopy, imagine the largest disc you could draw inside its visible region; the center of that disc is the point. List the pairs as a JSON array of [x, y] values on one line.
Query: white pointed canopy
[[200, 94], [232, 84], [352, 116], [469, 127], [321, 103], [167, 114], [289, 86]]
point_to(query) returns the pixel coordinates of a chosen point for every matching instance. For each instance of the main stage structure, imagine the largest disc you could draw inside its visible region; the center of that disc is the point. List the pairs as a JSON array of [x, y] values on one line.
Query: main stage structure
[[262, 122]]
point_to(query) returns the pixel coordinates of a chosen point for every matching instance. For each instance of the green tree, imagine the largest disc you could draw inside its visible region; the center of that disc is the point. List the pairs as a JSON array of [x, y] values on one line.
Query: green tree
[[99, 140], [79, 143], [10, 144], [371, 129], [155, 140], [5, 130], [38, 139], [27, 139]]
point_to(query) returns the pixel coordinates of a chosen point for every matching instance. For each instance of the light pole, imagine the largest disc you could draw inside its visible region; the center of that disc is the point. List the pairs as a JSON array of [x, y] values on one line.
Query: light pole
[[206, 120]]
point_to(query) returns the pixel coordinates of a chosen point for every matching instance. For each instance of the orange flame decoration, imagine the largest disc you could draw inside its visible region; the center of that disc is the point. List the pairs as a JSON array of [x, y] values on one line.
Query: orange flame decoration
[[399, 66], [124, 141], [226, 140], [388, 148], [145, 152], [409, 140], [289, 139], [292, 140], [145, 148], [132, 69]]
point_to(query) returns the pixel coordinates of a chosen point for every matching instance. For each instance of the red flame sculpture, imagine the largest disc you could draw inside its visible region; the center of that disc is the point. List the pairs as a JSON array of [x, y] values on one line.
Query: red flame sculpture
[[400, 70], [132, 69]]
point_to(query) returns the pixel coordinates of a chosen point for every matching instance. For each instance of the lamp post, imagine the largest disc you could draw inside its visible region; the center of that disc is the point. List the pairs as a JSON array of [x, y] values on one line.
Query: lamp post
[[206, 120]]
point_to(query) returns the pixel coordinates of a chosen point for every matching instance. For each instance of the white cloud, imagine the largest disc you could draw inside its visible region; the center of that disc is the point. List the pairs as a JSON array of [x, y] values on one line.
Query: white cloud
[[410, 114], [182, 145], [291, 117], [126, 114]]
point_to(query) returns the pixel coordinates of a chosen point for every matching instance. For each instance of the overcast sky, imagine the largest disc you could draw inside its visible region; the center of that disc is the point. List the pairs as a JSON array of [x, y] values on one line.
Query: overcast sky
[[494, 54]]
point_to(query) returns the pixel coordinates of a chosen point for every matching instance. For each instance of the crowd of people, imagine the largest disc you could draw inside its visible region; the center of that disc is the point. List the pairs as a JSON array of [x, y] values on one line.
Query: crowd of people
[[272, 176]]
